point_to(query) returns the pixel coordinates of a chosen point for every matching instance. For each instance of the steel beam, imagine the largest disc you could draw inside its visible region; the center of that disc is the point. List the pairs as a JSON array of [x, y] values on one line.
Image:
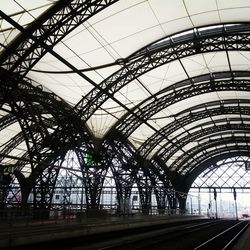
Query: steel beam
[[148, 59]]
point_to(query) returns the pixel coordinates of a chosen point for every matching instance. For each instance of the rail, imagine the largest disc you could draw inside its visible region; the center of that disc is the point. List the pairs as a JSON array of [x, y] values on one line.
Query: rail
[[223, 234], [226, 239], [156, 239]]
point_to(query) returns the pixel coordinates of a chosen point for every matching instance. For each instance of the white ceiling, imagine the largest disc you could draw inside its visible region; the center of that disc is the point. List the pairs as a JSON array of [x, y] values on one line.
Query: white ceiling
[[117, 32]]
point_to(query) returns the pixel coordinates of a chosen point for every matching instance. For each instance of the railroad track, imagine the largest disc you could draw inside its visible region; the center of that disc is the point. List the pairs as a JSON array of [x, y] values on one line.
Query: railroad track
[[15, 234], [226, 239], [161, 238], [193, 235], [209, 235]]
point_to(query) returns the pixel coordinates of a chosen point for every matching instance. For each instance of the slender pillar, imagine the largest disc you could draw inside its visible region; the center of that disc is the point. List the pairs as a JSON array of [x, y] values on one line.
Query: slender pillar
[[235, 203], [215, 199]]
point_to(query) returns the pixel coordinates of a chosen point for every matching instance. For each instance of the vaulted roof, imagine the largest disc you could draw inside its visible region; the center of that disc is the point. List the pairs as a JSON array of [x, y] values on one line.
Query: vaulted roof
[[172, 76]]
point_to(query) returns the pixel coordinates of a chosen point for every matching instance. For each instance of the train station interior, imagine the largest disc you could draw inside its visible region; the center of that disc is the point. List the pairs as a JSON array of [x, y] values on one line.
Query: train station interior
[[125, 124]]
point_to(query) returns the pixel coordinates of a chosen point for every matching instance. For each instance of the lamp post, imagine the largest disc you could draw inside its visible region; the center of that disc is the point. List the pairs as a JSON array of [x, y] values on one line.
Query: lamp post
[[215, 198], [235, 203], [199, 202], [191, 204]]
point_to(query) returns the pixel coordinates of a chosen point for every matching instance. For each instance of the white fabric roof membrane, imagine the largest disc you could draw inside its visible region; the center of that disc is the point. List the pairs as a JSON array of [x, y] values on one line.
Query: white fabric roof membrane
[[117, 32], [22, 11]]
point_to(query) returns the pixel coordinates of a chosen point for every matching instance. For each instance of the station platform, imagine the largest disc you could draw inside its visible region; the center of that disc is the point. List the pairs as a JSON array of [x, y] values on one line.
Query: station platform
[[15, 234]]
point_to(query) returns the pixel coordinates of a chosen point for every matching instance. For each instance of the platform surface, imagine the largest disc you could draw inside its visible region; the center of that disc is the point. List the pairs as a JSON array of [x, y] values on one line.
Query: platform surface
[[27, 232]]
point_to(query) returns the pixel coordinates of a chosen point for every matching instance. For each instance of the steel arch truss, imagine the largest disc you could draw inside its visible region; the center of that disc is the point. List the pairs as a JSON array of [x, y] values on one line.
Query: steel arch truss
[[217, 130], [124, 168], [220, 38], [48, 126], [238, 177], [162, 186], [50, 28], [49, 139], [209, 149], [94, 162], [173, 95], [195, 114], [129, 170]]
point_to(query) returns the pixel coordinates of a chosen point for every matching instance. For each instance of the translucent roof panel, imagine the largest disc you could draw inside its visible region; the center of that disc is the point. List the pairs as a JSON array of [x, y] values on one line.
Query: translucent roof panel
[[23, 12], [107, 44], [8, 133], [110, 35]]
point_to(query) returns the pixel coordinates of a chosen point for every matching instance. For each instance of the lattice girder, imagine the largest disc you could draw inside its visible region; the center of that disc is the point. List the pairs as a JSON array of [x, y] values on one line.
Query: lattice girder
[[124, 166], [50, 28], [211, 159], [193, 116], [130, 123], [236, 144], [6, 121], [161, 184], [148, 59], [93, 174], [47, 140], [169, 151]]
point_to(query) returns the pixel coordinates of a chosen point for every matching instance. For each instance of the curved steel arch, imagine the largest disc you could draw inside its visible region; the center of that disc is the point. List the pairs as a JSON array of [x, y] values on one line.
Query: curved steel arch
[[180, 164], [230, 160], [186, 35], [210, 131], [51, 27], [220, 40], [63, 116], [191, 116], [225, 160], [11, 144], [210, 161], [33, 102], [129, 123], [221, 154], [237, 121], [23, 91], [209, 105], [18, 138], [6, 121], [10, 119], [23, 88]]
